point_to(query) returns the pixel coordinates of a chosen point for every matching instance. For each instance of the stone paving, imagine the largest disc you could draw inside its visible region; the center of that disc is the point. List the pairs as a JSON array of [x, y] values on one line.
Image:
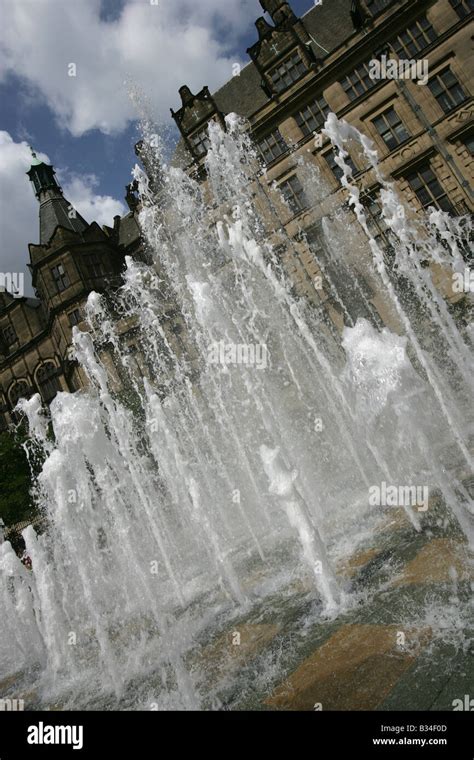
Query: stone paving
[[404, 643], [409, 646]]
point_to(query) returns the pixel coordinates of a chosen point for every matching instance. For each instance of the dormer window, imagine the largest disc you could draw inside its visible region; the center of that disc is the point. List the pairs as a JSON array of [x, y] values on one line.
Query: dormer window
[[287, 72], [193, 118], [200, 142]]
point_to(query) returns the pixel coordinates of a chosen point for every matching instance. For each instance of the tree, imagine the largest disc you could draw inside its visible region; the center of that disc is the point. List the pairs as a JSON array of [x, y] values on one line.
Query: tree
[[16, 503]]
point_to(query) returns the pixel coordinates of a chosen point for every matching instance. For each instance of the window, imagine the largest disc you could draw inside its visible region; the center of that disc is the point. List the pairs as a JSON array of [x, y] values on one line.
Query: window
[[313, 116], [18, 390], [336, 170], [469, 143], [390, 128], [60, 277], [463, 7], [293, 193], [94, 266], [9, 335], [47, 381], [427, 189], [287, 72], [272, 146], [375, 220], [358, 82], [414, 39], [75, 317], [200, 142], [374, 211], [447, 90]]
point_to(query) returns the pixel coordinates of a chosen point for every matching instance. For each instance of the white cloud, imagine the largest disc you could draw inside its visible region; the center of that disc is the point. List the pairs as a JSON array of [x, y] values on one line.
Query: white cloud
[[151, 49], [156, 48], [19, 223], [98, 208]]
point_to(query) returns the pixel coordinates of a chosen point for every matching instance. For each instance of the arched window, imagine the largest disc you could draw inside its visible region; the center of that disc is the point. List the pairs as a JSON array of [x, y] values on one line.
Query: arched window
[[47, 381], [19, 389]]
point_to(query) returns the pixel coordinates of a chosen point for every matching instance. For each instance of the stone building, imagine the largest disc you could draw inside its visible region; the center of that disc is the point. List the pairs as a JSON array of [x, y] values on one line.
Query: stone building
[[299, 70], [72, 259], [302, 68]]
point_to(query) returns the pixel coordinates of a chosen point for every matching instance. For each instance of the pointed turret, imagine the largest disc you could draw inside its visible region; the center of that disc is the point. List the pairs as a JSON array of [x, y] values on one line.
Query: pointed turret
[[279, 10], [55, 210]]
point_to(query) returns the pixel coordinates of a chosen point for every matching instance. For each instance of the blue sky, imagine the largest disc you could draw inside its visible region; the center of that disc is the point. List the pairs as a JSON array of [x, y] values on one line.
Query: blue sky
[[87, 125]]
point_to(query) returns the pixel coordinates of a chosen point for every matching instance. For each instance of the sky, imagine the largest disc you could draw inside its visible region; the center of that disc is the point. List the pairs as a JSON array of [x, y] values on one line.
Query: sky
[[76, 76]]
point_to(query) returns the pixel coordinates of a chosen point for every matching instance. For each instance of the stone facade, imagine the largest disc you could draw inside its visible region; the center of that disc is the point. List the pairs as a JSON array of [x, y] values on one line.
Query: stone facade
[[300, 69], [72, 259], [436, 126]]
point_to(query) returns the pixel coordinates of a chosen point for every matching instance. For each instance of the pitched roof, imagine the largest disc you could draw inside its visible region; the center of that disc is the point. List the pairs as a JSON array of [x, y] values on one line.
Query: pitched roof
[[329, 25], [55, 212], [129, 230]]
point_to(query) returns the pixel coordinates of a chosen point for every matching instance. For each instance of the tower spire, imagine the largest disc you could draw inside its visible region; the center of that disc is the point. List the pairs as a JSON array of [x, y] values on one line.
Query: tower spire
[[55, 210], [42, 176]]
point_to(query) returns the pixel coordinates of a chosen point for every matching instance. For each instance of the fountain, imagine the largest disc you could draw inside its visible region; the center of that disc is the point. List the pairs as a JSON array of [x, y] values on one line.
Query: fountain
[[221, 462]]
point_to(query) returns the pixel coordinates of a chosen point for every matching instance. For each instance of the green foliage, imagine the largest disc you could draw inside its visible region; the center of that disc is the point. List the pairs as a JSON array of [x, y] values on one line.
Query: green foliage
[[15, 480]]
